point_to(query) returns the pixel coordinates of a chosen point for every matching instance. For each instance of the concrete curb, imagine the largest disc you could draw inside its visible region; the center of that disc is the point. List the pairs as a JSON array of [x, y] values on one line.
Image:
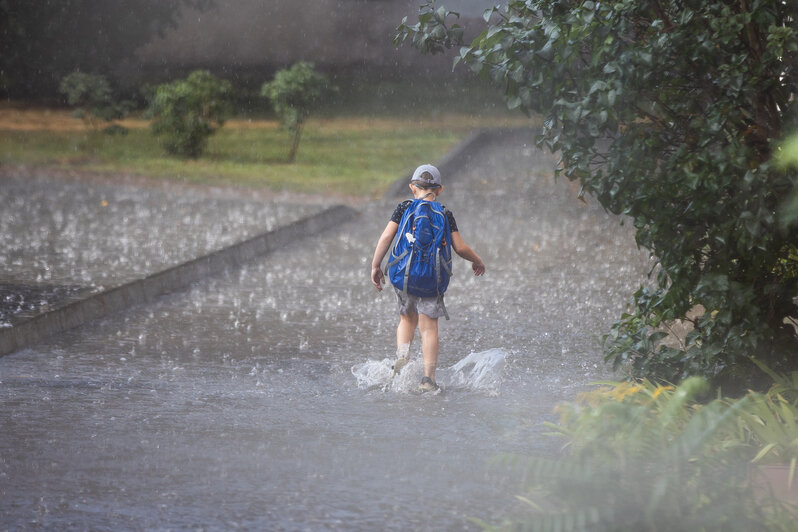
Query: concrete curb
[[175, 279]]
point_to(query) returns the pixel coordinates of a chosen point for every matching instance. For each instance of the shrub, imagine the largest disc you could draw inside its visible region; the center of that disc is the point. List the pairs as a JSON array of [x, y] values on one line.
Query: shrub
[[295, 93], [187, 112], [93, 99]]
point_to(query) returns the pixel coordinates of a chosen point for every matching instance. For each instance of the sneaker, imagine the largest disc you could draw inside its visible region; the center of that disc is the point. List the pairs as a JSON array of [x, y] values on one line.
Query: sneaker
[[427, 385], [399, 364]]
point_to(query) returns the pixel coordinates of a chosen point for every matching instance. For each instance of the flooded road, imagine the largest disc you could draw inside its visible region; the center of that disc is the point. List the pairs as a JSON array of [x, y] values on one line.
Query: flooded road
[[260, 400]]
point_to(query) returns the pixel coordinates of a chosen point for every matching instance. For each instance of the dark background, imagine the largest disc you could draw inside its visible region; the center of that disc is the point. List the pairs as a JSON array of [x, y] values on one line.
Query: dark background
[[137, 42]]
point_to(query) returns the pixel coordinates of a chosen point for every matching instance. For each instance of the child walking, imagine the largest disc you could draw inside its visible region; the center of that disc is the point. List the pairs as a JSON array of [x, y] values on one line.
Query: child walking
[[420, 312]]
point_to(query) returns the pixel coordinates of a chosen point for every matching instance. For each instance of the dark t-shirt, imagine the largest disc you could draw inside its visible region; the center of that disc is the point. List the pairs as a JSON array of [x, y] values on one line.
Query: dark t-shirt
[[402, 207]]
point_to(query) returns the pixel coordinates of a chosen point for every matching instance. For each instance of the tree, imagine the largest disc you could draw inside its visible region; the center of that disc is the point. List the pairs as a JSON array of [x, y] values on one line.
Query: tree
[[667, 111], [295, 93], [40, 42], [92, 98], [187, 112]]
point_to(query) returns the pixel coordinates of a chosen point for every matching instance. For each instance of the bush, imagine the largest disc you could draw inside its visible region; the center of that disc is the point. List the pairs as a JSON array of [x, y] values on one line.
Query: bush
[[295, 93], [187, 112], [93, 99]]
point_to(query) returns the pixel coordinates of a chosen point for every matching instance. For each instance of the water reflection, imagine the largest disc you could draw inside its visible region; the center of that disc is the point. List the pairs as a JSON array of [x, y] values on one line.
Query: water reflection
[[235, 405]]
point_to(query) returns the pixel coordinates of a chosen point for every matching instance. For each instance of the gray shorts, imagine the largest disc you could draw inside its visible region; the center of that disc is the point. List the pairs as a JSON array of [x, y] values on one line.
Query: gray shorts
[[429, 306]]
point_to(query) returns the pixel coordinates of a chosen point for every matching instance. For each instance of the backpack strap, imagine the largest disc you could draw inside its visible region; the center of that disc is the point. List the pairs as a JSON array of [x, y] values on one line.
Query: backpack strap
[[441, 264], [394, 261], [407, 276], [443, 306], [438, 264]]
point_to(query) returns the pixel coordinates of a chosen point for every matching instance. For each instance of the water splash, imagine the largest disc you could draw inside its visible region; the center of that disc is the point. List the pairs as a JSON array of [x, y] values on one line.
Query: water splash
[[481, 372], [478, 372], [372, 373], [378, 374]]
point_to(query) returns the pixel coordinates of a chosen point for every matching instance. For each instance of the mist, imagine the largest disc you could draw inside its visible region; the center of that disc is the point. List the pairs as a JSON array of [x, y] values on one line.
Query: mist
[[332, 33]]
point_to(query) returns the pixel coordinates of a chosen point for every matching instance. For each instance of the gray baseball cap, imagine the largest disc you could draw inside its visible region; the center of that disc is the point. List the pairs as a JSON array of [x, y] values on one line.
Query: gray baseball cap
[[427, 175]]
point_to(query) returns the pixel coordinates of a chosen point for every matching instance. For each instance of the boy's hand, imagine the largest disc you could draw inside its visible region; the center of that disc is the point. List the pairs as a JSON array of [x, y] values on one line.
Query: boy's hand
[[478, 267], [377, 278]]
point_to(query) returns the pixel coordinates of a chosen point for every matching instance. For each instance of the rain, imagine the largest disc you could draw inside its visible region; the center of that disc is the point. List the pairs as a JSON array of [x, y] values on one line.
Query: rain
[[261, 398]]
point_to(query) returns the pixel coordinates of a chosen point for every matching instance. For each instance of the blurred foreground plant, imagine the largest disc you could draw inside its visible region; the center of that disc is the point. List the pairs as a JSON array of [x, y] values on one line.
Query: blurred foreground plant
[[772, 422], [647, 457], [187, 112]]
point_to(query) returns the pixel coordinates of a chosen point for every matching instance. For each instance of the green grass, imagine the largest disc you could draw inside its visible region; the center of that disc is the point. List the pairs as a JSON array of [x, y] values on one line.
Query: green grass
[[372, 134], [335, 157]]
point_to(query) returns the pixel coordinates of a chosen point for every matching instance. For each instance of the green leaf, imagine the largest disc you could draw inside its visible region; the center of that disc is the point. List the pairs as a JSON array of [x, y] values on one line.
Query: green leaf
[[763, 452]]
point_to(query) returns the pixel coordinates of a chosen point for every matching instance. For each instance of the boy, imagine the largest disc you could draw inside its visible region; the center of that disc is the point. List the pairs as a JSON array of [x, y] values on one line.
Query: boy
[[421, 312]]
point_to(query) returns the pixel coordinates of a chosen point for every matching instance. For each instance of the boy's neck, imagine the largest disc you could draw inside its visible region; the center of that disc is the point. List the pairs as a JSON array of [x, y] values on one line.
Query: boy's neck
[[426, 194]]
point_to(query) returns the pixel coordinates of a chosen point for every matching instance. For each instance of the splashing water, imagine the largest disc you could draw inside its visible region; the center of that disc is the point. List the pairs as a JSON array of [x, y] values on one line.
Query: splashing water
[[378, 374], [478, 372]]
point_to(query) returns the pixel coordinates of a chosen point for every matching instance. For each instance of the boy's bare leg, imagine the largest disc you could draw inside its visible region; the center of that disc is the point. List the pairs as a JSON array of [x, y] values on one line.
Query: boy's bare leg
[[429, 344], [404, 336], [406, 330]]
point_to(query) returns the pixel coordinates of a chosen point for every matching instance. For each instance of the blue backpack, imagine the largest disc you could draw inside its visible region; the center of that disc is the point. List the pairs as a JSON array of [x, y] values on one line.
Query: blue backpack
[[420, 262]]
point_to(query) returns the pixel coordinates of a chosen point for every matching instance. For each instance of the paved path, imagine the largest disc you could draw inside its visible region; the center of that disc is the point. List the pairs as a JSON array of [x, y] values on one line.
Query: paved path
[[233, 403], [66, 240]]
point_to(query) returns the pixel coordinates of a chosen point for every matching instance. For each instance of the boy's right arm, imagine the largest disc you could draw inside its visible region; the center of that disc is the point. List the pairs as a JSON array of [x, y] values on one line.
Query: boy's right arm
[[465, 251], [377, 277]]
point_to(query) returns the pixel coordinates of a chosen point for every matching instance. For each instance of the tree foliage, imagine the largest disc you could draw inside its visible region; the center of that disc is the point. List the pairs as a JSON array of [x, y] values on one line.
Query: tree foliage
[[667, 111], [295, 93], [42, 41], [186, 112]]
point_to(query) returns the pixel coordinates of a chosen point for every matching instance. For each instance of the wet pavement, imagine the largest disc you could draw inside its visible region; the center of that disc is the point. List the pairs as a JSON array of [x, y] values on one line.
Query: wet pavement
[[64, 239], [259, 399]]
